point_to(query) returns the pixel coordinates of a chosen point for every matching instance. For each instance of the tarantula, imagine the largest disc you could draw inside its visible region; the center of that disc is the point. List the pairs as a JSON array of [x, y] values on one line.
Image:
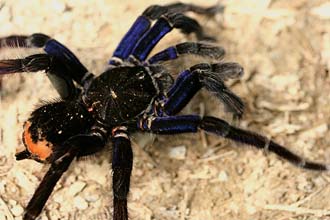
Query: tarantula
[[134, 94]]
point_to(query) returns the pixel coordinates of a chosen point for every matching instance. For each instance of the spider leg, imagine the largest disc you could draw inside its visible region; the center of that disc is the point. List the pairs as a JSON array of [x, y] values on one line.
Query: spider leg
[[77, 71], [122, 163], [60, 160], [13, 41], [210, 76], [191, 123], [141, 28], [156, 11], [199, 49], [163, 26], [54, 68], [45, 188]]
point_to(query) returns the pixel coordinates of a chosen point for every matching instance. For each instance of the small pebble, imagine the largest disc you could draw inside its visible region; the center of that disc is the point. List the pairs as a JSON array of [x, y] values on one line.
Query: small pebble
[[76, 188], [17, 210], [178, 153], [91, 193], [58, 197], [12, 202], [223, 177], [92, 198], [80, 203], [322, 11]]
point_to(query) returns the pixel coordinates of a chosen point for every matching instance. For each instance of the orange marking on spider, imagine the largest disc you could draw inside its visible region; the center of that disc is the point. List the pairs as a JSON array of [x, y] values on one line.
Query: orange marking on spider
[[42, 148]]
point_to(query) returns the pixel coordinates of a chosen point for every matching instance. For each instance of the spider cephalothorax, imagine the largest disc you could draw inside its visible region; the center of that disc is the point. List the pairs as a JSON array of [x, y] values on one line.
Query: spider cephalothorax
[[135, 94], [130, 93]]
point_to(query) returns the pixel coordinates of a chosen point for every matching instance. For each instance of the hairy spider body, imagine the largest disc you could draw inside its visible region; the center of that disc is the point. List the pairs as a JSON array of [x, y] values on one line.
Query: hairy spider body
[[43, 135], [134, 94], [120, 95]]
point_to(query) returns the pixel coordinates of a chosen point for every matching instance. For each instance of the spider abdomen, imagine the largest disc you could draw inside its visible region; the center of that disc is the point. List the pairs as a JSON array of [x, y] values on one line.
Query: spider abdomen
[[120, 94]]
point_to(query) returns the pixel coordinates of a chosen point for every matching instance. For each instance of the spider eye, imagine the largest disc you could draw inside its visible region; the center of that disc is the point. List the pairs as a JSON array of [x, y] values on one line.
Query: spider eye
[[38, 147]]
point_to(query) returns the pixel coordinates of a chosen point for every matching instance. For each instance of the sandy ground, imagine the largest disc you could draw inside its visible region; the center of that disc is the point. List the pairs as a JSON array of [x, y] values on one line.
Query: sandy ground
[[284, 47]]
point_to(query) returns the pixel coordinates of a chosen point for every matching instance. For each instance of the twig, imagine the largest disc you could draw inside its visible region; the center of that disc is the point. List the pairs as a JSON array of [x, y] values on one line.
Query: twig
[[304, 200], [219, 156], [299, 210]]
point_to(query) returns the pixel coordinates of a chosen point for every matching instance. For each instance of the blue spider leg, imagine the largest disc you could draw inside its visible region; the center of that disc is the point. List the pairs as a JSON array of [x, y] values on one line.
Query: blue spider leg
[[191, 123], [122, 164], [182, 91], [170, 125], [143, 23], [188, 48], [209, 76], [55, 69], [76, 70], [163, 26], [126, 45]]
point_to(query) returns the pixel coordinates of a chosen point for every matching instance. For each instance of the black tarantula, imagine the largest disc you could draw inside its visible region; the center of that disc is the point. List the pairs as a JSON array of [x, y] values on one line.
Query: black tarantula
[[134, 94]]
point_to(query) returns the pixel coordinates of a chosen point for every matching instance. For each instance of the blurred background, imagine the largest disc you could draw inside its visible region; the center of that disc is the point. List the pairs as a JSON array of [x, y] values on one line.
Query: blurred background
[[284, 47]]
